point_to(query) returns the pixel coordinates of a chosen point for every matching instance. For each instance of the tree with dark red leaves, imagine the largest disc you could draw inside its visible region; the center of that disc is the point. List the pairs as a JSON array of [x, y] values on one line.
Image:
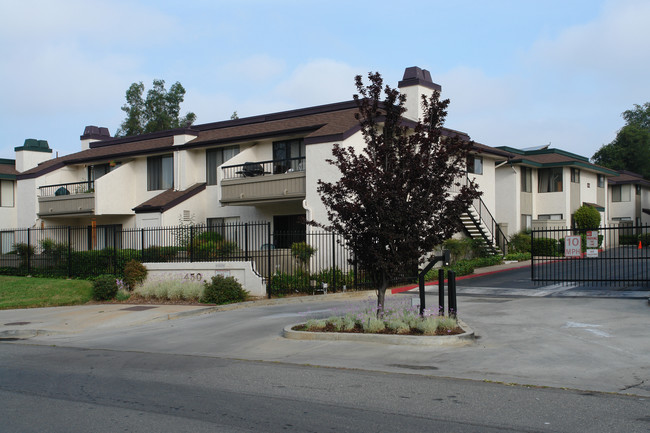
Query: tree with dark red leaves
[[393, 203]]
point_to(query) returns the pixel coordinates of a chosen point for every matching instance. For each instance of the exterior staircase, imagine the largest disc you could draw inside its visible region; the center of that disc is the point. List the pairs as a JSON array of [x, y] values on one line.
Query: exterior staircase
[[480, 224]]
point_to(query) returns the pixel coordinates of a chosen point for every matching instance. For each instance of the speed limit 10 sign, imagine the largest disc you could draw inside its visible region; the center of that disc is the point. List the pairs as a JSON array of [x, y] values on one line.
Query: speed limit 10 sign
[[572, 246]]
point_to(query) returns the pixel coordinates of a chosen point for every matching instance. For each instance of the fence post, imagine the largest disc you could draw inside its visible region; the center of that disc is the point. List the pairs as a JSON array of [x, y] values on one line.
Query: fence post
[[69, 252], [191, 244], [115, 249], [451, 294], [333, 261], [246, 241], [441, 291], [355, 270], [268, 253], [29, 256], [142, 243]]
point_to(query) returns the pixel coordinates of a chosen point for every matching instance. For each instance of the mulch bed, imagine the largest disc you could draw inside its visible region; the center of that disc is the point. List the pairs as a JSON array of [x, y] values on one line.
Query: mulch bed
[[359, 330]]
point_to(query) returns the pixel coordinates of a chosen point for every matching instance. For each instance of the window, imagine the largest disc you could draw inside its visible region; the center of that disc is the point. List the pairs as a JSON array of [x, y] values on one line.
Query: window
[[526, 222], [7, 193], [550, 179], [214, 158], [601, 181], [226, 227], [160, 172], [285, 154], [526, 179], [575, 175], [288, 229], [475, 164], [620, 193], [98, 170], [553, 216]]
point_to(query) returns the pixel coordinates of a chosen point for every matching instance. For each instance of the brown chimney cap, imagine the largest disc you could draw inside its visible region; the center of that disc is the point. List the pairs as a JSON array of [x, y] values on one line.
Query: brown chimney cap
[[415, 76], [95, 132]]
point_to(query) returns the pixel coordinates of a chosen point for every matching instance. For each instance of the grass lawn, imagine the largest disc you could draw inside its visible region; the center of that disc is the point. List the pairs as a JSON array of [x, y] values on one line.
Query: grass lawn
[[30, 292]]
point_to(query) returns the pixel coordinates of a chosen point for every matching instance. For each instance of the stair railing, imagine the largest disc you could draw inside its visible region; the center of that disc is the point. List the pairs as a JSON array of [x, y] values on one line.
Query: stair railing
[[498, 238]]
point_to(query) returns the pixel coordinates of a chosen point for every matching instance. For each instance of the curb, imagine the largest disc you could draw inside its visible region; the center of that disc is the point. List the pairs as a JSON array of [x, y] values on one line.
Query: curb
[[413, 340]]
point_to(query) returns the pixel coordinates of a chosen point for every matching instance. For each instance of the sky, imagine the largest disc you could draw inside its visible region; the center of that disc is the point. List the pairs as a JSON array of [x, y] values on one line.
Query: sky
[[519, 73]]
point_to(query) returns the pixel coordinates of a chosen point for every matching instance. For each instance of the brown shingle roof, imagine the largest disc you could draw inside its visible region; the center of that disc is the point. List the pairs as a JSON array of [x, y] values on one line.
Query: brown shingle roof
[[333, 122], [168, 199], [8, 170], [106, 152], [625, 177]]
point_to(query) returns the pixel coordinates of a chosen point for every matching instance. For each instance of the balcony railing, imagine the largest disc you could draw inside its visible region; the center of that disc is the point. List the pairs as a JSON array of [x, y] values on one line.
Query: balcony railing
[[263, 168], [63, 189]]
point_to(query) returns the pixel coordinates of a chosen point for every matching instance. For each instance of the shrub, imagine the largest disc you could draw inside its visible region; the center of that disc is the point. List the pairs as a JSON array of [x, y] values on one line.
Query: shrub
[[172, 288], [282, 283], [134, 274], [24, 252], [628, 239], [373, 325], [302, 251], [211, 245], [644, 238], [587, 217], [520, 242], [517, 256], [104, 288], [546, 247], [159, 254], [428, 325], [458, 248], [224, 290]]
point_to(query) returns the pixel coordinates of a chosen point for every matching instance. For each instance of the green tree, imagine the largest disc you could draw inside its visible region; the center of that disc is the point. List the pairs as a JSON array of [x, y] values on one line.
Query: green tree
[[587, 217], [392, 202], [158, 112], [630, 150]]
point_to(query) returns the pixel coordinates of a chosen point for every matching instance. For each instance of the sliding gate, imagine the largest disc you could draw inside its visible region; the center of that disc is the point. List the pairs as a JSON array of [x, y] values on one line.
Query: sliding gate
[[616, 255]]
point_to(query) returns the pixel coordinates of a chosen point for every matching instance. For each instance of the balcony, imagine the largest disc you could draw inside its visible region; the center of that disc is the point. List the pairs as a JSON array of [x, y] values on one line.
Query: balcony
[[67, 199], [263, 182]]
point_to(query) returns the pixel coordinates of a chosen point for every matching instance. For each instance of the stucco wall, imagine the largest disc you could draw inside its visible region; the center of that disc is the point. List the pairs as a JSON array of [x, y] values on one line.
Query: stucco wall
[[507, 203], [115, 192]]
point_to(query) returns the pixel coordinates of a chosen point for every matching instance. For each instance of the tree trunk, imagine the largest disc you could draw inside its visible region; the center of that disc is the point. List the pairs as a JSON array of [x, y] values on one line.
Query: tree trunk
[[381, 295]]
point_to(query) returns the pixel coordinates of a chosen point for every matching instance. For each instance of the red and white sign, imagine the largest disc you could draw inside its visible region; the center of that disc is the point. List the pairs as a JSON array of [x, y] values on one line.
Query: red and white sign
[[572, 246], [592, 253], [592, 239]]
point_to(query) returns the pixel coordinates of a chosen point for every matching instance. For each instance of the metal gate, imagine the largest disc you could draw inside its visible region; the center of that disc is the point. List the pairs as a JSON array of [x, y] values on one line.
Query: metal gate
[[614, 255]]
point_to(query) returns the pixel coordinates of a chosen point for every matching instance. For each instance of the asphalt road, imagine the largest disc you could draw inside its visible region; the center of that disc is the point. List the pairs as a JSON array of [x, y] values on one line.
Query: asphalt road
[[56, 389]]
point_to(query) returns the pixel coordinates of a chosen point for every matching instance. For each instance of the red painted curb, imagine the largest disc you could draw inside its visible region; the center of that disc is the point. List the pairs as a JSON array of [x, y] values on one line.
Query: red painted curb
[[464, 277]]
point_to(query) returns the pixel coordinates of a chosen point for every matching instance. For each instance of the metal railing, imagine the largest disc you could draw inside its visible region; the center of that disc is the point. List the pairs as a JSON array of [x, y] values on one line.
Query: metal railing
[[62, 189], [495, 236], [613, 255], [263, 168]]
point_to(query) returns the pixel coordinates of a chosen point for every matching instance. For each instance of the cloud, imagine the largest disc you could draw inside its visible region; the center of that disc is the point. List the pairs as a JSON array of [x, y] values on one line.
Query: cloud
[[613, 46], [320, 81], [260, 67]]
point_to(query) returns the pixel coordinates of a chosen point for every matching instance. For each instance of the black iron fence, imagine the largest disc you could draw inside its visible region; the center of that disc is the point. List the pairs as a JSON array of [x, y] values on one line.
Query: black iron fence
[[314, 261], [615, 255]]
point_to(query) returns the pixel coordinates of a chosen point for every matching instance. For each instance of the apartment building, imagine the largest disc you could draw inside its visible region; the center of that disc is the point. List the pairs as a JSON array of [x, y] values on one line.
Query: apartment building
[[628, 199], [544, 187], [267, 168]]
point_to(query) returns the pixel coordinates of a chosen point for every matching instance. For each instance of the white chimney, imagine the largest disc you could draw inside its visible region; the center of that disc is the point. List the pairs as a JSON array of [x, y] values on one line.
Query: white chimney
[[415, 83], [32, 153], [92, 134]]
